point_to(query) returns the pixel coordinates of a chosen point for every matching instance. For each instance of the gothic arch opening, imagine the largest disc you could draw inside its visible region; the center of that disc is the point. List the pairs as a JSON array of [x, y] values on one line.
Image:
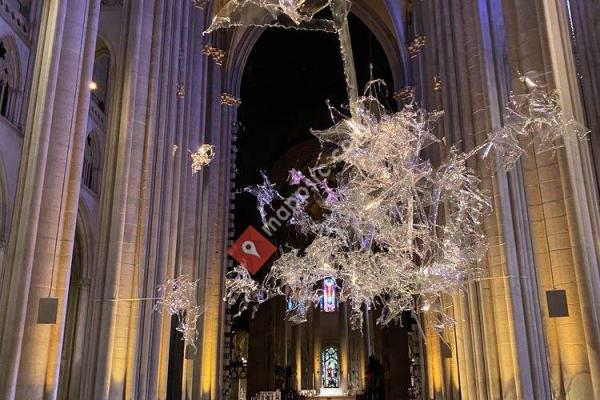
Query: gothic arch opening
[[10, 79], [76, 315], [100, 86], [288, 78]]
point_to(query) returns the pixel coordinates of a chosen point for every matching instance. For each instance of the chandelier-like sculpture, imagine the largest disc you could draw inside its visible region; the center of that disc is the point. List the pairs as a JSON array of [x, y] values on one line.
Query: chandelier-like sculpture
[[394, 227], [396, 231]]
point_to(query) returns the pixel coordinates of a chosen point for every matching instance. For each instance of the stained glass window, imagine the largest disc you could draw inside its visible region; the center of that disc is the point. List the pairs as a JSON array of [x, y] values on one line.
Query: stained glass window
[[328, 301], [330, 367]]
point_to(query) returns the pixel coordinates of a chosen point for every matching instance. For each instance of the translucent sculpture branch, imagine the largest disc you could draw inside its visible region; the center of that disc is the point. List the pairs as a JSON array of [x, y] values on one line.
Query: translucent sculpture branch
[[178, 297], [533, 117]]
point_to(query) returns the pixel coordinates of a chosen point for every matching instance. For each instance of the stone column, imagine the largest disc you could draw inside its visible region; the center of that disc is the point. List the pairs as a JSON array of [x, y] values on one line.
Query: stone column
[[42, 237], [115, 343], [344, 347], [317, 367], [581, 190]]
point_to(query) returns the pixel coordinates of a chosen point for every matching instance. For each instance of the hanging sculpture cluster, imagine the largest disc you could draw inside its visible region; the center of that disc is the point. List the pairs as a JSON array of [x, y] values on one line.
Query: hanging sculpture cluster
[[178, 297], [202, 157], [395, 231], [394, 227]]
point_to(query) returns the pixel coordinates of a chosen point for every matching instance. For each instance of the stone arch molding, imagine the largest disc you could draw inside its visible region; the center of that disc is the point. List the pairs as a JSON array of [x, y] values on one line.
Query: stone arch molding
[[10, 65], [4, 206]]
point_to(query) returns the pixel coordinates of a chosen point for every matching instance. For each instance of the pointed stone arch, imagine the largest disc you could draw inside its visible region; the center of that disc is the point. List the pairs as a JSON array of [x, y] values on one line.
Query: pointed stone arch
[[385, 29], [78, 304]]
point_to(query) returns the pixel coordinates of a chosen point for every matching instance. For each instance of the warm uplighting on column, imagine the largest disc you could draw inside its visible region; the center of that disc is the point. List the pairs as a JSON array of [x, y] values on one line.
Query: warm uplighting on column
[[93, 85]]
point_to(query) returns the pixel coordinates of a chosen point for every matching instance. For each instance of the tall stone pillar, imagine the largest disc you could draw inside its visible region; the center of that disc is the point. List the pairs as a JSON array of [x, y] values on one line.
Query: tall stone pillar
[[580, 190], [316, 340], [112, 363], [42, 235]]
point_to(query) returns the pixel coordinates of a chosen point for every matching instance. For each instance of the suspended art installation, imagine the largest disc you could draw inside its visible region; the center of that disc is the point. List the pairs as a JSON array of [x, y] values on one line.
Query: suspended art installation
[[178, 297], [396, 226], [397, 231], [202, 157]]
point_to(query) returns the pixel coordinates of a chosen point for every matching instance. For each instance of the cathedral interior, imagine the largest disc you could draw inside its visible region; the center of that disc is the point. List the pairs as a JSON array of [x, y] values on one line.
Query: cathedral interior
[[299, 199]]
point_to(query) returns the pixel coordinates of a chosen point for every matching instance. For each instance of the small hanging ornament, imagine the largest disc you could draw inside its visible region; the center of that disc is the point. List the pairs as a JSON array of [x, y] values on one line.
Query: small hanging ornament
[[228, 99], [180, 91], [404, 94], [437, 83], [202, 157], [416, 45], [218, 55]]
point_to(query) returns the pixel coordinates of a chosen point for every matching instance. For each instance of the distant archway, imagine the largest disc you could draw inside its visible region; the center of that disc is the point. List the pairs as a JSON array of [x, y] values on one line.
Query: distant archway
[[70, 378]]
